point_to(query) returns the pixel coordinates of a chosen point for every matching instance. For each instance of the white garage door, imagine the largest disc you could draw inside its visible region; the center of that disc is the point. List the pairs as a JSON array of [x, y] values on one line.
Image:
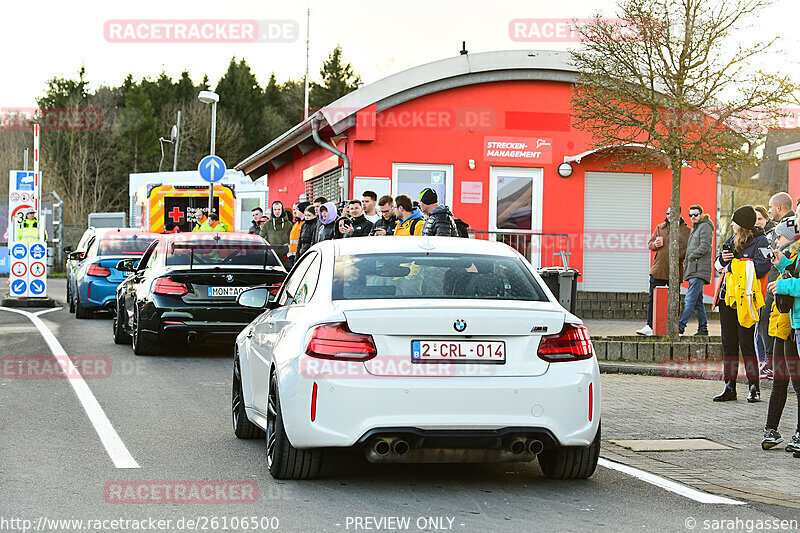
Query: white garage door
[[616, 230]]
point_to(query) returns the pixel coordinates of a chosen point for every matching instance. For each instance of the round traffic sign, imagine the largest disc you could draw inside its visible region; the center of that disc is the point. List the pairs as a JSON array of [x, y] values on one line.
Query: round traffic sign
[[37, 286], [19, 269], [38, 251], [211, 168], [37, 269], [18, 251], [14, 197], [18, 286]]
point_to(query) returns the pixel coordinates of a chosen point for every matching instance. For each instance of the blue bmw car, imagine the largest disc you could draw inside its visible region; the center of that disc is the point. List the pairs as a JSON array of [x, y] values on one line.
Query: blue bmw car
[[96, 277]]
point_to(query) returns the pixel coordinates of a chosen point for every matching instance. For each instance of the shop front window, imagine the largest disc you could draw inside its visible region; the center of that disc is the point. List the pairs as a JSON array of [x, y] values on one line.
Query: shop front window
[[410, 179]]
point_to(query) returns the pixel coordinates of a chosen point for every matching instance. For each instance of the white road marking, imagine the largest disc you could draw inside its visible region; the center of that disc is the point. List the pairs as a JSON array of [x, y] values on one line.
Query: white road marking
[[666, 484], [108, 436]]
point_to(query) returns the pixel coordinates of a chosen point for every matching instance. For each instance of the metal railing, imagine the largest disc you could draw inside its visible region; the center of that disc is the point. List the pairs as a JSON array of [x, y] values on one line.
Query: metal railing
[[541, 249]]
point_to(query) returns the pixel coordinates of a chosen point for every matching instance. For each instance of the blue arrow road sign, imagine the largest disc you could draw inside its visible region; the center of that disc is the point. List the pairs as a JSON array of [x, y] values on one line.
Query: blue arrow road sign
[[18, 286], [211, 168], [37, 286], [38, 251], [19, 251]]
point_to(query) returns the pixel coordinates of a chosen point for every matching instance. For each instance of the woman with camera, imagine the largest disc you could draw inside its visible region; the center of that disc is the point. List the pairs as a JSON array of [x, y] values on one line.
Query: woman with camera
[[740, 297]]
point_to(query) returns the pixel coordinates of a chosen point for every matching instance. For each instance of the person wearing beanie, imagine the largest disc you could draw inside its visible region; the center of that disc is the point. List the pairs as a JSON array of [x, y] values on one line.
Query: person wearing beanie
[[740, 298], [659, 271], [782, 328], [439, 221]]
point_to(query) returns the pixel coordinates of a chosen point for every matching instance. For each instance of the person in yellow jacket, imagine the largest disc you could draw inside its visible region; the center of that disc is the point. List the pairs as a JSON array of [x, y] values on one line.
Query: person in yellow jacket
[[409, 218], [785, 361], [203, 223], [28, 229], [215, 225], [739, 293]]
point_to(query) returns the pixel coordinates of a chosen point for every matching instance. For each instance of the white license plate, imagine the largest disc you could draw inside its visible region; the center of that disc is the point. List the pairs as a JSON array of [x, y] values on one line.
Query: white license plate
[[226, 291], [458, 352]]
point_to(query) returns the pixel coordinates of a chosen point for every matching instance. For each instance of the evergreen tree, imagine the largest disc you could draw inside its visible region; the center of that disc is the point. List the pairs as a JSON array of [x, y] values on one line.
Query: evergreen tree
[[242, 98], [338, 79]]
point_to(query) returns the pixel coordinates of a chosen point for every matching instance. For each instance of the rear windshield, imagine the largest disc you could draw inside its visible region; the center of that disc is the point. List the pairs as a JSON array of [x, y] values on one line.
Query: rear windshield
[[452, 276], [123, 246], [238, 254]]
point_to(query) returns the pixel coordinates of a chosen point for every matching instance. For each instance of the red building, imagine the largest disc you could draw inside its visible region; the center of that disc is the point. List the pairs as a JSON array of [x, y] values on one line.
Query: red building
[[489, 131]]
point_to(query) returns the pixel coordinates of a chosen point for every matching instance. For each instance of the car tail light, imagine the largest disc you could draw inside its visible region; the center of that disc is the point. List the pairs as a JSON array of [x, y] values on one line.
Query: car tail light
[[168, 287], [336, 341], [314, 402], [572, 344], [97, 270]]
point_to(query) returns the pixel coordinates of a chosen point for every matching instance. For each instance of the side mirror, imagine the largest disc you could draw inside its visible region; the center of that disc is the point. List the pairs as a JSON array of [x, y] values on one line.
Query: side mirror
[[257, 297], [127, 265], [68, 249], [77, 256]]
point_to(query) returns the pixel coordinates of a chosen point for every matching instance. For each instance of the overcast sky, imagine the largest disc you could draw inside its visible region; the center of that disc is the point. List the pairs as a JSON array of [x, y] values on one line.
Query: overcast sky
[[54, 38]]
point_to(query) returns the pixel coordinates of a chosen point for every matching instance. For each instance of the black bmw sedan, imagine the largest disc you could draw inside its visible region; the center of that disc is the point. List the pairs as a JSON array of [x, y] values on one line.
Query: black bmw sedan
[[184, 289]]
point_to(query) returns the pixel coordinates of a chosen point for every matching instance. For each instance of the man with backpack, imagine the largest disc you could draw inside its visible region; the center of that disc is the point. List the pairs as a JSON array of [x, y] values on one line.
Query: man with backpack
[[439, 221]]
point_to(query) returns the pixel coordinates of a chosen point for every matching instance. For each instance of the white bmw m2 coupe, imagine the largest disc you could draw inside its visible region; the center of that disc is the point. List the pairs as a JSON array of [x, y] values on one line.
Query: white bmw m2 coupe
[[416, 350]]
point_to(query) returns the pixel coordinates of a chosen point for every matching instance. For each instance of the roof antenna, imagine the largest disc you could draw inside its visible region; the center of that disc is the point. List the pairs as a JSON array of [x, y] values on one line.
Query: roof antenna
[[463, 51]]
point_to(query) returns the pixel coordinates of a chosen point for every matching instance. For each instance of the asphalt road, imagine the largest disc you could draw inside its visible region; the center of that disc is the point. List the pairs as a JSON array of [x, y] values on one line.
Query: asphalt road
[[172, 414]]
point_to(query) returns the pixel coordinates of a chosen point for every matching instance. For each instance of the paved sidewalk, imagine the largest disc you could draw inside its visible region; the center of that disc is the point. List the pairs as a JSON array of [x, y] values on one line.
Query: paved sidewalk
[[648, 407], [615, 328]]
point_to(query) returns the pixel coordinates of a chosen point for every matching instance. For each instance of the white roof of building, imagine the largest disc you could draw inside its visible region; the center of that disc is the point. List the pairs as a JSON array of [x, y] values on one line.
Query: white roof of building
[[462, 70]]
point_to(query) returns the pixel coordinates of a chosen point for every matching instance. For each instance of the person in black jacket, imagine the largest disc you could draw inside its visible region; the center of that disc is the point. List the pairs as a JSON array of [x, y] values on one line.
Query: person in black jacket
[[388, 221], [308, 231], [255, 228], [744, 244], [439, 221], [359, 226]]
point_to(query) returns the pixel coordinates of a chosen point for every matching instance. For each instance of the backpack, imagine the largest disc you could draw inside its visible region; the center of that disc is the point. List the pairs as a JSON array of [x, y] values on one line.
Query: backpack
[[462, 228]]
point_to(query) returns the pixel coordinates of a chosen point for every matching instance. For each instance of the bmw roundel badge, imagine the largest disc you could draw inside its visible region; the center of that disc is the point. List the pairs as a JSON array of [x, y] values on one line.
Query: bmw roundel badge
[[229, 278], [460, 325]]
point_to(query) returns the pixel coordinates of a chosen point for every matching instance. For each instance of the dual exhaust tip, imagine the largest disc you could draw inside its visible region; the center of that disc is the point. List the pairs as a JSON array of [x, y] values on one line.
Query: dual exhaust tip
[[400, 447], [382, 447], [519, 446]]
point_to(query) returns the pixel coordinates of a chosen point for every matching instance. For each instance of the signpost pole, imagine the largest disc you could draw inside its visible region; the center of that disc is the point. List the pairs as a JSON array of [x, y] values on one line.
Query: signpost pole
[[25, 161], [213, 135]]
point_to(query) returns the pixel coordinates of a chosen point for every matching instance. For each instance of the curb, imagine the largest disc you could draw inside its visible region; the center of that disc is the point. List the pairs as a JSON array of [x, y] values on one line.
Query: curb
[[676, 370]]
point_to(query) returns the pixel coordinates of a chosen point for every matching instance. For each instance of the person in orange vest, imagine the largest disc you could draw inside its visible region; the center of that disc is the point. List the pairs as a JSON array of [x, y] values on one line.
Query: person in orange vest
[[298, 209], [215, 224]]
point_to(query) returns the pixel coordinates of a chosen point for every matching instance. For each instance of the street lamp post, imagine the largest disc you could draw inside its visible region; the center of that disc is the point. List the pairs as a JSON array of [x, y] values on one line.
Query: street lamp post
[[209, 97]]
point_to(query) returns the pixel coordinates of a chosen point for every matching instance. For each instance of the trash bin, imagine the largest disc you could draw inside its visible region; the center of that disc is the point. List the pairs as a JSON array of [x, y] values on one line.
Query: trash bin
[[563, 283]]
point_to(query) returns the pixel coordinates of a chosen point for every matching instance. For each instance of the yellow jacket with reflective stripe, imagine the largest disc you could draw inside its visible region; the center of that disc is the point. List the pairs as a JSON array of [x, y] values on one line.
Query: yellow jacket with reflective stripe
[[28, 231], [743, 291], [205, 226]]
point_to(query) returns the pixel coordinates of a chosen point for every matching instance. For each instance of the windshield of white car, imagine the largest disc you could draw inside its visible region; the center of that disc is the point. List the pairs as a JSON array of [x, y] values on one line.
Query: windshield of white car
[[425, 275], [235, 254]]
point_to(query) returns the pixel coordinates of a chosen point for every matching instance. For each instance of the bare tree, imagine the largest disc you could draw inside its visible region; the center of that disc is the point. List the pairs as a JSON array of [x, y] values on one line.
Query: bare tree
[[669, 76]]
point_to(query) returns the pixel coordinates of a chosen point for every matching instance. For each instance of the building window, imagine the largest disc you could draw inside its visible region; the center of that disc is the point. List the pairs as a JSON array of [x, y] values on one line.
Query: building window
[[411, 178], [326, 185]]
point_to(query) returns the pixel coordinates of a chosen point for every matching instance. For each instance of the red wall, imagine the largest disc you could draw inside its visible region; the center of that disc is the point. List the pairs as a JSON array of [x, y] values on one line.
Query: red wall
[[449, 128]]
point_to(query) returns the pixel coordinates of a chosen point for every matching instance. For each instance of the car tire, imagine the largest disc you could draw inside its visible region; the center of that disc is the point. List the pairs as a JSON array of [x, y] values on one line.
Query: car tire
[[284, 460], [242, 427], [80, 311], [142, 346], [120, 335], [70, 299], [571, 462]]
